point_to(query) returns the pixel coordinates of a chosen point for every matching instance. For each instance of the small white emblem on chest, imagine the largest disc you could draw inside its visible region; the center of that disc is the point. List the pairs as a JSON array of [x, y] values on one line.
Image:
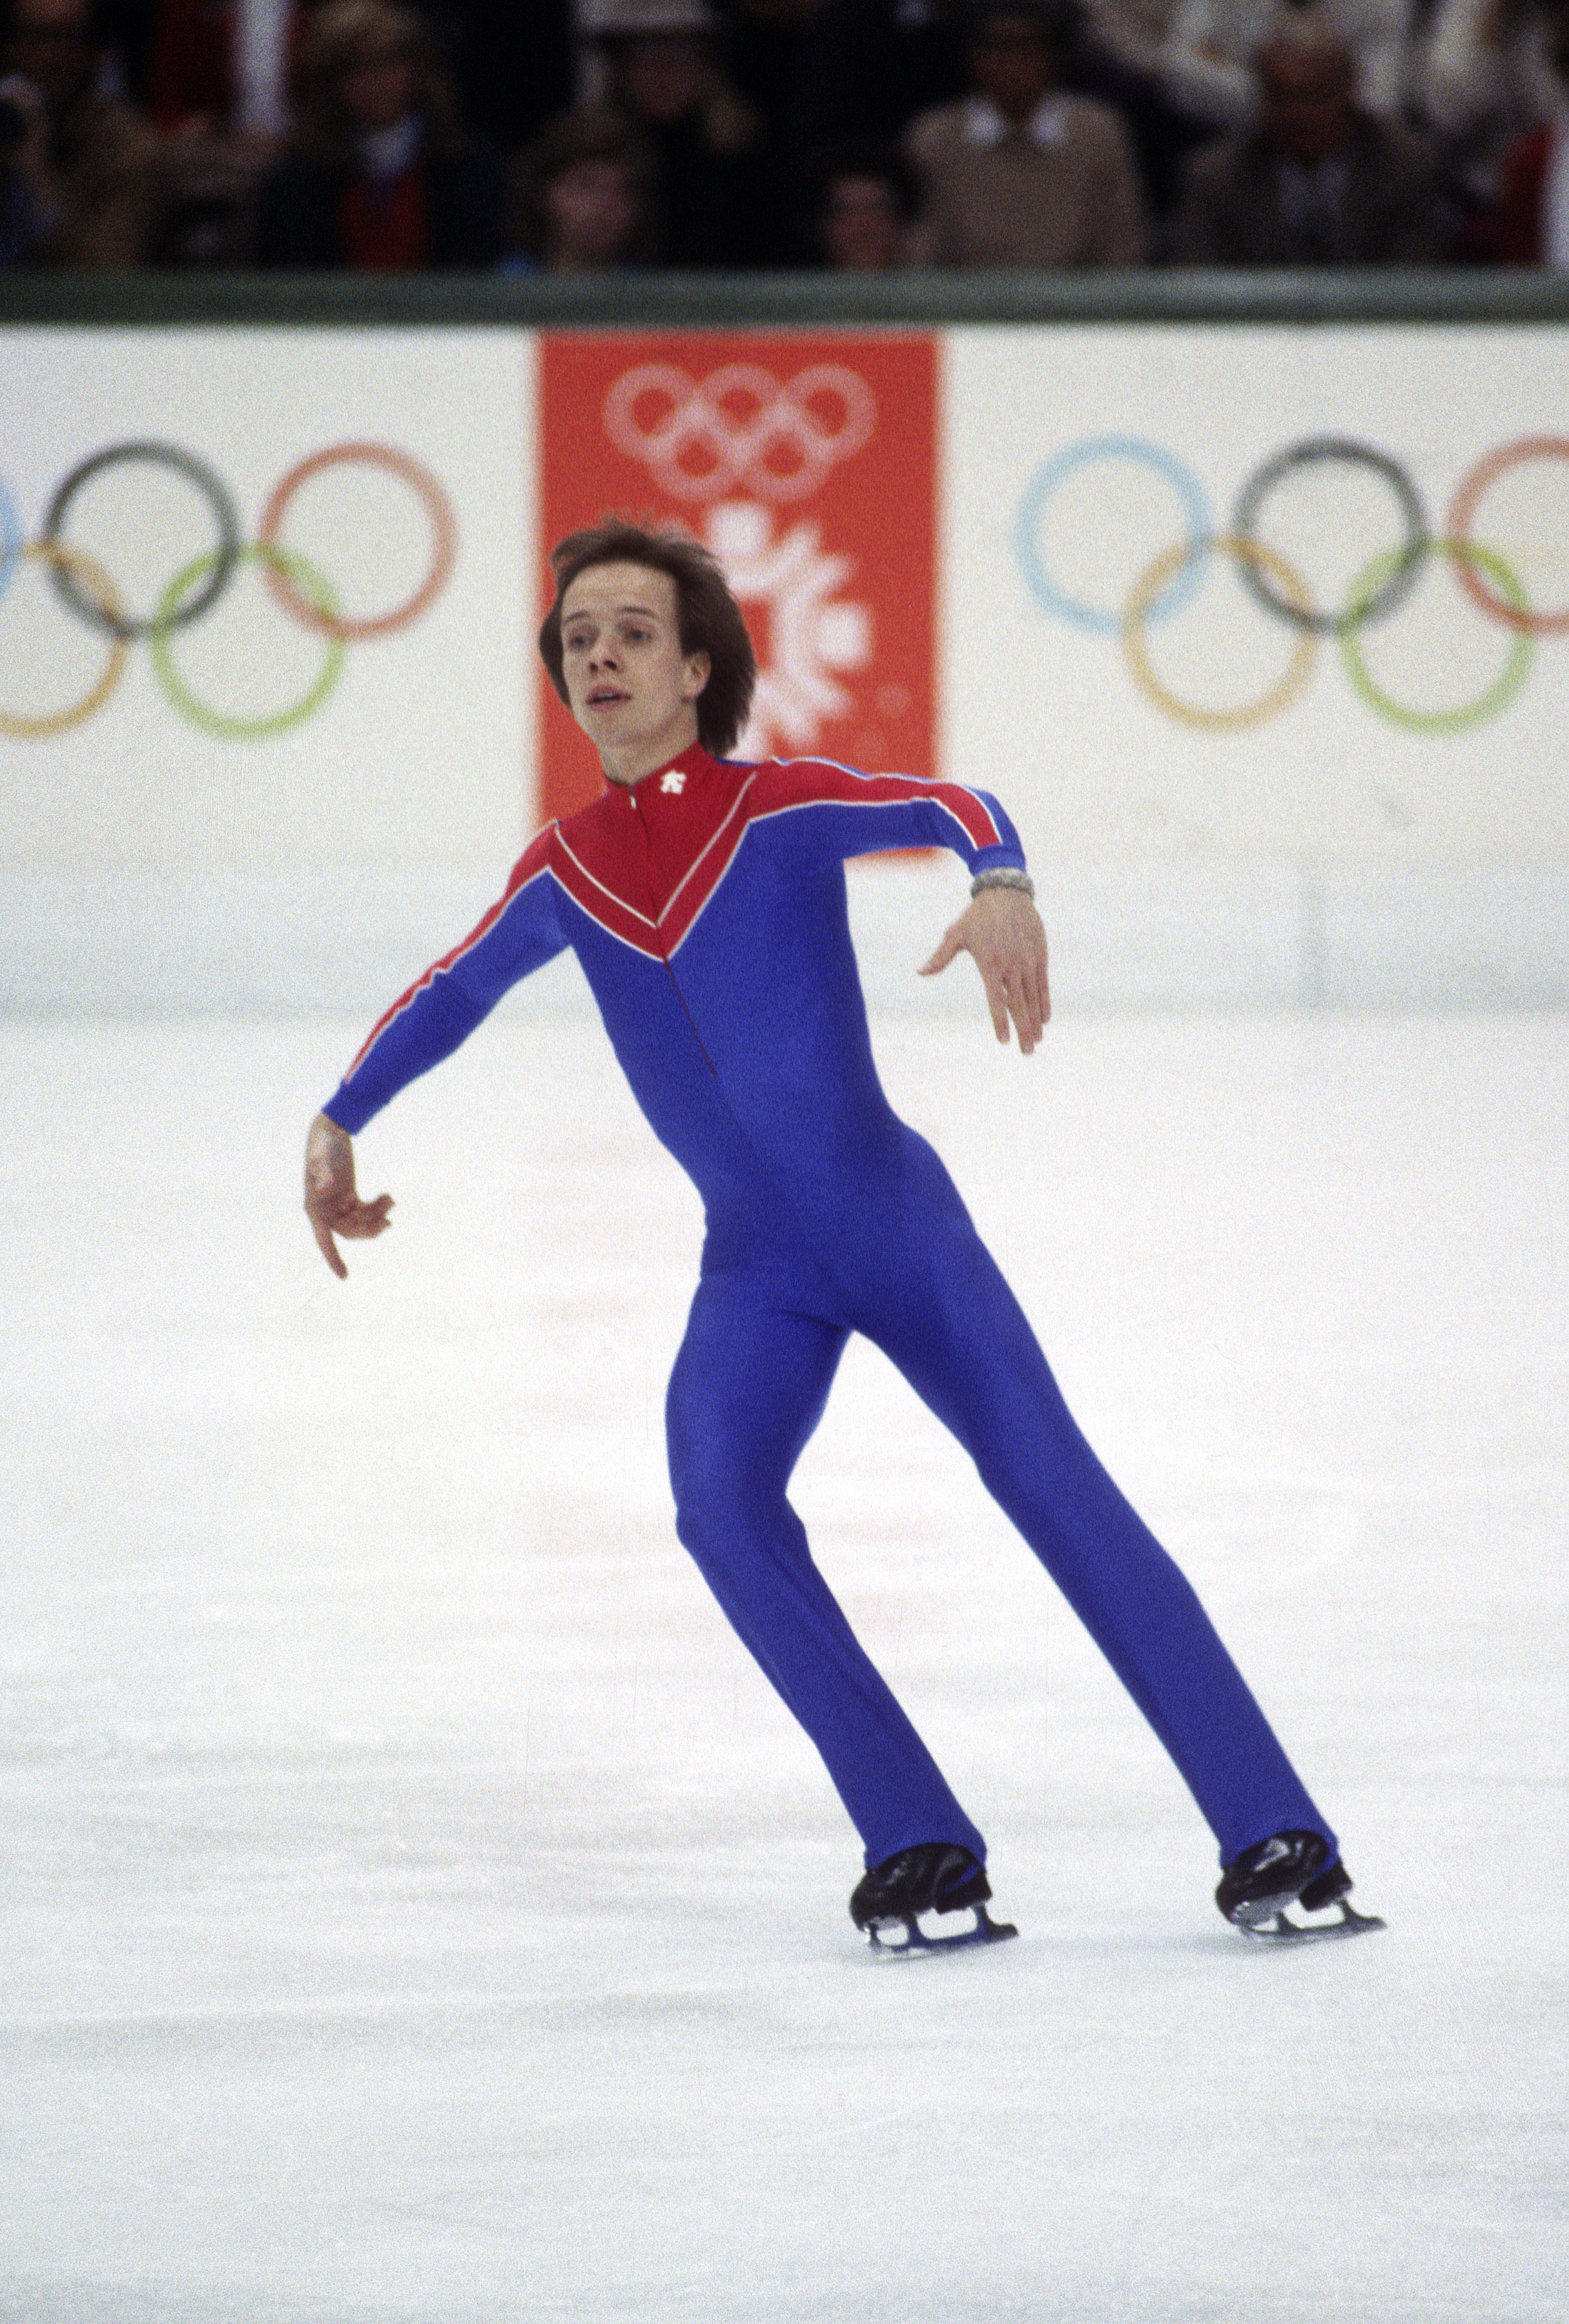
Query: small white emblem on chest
[[675, 781]]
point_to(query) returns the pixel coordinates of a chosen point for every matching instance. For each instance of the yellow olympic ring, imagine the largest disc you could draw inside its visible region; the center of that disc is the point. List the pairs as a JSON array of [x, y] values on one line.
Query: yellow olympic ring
[[1149, 588], [79, 567]]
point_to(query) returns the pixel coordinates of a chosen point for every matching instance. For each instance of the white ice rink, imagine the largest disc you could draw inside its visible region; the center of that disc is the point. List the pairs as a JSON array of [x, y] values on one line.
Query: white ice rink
[[418, 1911]]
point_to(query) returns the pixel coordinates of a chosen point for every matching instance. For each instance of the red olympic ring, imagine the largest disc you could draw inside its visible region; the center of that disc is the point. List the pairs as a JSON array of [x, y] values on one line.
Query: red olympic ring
[[342, 628], [1463, 509]]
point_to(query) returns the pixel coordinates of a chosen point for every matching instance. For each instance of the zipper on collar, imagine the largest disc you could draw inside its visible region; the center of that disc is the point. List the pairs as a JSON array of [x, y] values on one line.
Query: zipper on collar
[[637, 808]]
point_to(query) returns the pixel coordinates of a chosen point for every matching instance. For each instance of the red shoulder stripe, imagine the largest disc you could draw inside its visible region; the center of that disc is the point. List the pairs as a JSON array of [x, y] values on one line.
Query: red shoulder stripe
[[804, 782]]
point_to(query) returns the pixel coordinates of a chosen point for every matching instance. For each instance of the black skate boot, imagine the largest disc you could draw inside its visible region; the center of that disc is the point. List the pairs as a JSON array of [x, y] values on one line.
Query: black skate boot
[[938, 1877], [1293, 1868]]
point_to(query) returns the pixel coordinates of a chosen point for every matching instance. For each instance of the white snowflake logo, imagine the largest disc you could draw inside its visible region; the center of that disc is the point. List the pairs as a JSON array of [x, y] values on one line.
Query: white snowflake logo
[[675, 781], [812, 633]]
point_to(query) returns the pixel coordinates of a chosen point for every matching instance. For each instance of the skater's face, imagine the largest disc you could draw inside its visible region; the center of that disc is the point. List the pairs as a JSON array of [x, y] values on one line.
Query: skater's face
[[632, 688]]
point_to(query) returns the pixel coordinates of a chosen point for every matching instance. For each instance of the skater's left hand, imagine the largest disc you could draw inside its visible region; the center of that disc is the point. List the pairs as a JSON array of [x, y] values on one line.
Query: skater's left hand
[[1001, 932]]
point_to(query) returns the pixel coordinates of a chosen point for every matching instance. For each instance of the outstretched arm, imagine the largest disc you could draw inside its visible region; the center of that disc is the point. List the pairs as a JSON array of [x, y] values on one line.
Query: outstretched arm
[[331, 1202], [1002, 933]]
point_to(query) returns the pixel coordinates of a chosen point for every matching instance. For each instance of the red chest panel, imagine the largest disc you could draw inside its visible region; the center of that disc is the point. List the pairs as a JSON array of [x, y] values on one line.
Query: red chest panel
[[644, 861]]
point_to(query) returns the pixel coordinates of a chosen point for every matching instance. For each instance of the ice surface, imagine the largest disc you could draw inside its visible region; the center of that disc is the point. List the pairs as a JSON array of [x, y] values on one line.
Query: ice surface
[[418, 1911]]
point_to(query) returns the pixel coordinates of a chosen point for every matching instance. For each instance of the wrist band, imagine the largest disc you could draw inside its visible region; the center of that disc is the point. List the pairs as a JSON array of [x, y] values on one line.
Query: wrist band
[[1004, 877]]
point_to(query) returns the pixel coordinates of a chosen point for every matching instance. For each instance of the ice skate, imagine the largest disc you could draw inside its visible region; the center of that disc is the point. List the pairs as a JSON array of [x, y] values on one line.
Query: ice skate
[[934, 1879], [1259, 1886]]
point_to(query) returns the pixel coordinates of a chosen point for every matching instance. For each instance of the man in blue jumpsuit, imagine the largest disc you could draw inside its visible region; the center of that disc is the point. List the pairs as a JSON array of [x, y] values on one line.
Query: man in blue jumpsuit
[[704, 899]]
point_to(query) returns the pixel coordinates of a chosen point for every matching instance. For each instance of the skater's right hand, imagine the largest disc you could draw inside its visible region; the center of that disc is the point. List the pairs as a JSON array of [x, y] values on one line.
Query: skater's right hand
[[331, 1202]]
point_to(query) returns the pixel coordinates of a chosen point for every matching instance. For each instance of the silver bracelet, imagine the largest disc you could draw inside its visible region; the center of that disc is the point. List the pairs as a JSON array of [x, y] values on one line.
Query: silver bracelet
[[1003, 877]]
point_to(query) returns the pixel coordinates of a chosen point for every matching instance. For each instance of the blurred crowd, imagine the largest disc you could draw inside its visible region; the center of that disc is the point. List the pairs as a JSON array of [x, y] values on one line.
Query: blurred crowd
[[852, 135]]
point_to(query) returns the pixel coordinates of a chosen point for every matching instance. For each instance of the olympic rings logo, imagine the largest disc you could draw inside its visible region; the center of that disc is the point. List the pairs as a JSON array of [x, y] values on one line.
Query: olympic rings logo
[[1171, 580], [88, 593], [739, 428]]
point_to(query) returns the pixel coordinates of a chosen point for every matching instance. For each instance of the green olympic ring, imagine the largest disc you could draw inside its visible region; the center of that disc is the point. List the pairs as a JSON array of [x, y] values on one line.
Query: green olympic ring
[[1374, 579], [303, 575]]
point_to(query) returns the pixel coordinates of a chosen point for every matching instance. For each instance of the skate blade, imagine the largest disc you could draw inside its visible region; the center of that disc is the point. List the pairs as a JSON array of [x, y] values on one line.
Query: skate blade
[[895, 1938], [1280, 1929]]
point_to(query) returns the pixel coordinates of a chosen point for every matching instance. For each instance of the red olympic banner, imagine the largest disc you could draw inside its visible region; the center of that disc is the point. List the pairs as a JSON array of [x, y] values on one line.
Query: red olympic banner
[[806, 461]]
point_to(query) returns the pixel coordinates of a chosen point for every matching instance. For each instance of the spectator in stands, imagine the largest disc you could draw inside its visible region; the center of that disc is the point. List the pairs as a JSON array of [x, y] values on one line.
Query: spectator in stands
[[380, 176], [1528, 223], [863, 69], [1320, 181], [587, 198], [86, 167], [1208, 56], [861, 206], [224, 66], [1484, 80], [219, 79], [1023, 172], [23, 152], [720, 182]]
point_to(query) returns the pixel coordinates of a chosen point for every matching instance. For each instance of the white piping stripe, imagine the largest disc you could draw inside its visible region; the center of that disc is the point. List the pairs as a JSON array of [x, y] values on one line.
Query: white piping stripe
[[927, 788], [618, 900], [628, 943], [735, 806], [792, 806], [714, 891]]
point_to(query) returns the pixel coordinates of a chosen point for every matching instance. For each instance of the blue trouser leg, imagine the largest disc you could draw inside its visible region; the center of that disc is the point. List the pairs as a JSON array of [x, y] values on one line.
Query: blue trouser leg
[[947, 1317], [748, 1388]]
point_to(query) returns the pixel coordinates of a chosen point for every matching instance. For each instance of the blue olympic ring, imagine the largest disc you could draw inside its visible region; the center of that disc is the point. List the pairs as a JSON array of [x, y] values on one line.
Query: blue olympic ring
[[1044, 482]]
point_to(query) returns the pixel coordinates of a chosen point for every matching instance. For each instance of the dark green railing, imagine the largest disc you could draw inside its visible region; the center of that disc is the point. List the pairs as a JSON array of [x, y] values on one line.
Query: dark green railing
[[731, 301]]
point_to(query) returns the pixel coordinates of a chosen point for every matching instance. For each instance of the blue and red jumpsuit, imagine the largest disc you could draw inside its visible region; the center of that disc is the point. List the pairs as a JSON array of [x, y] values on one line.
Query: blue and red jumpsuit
[[707, 904]]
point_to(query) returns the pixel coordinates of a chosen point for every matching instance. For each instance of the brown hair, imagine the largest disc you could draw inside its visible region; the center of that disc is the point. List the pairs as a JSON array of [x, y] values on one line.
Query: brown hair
[[709, 619], [585, 136], [345, 33]]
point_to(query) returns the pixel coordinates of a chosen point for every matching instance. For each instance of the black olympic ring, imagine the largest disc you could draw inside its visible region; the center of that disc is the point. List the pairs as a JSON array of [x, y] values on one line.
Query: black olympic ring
[[184, 464], [88, 591], [1407, 560]]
